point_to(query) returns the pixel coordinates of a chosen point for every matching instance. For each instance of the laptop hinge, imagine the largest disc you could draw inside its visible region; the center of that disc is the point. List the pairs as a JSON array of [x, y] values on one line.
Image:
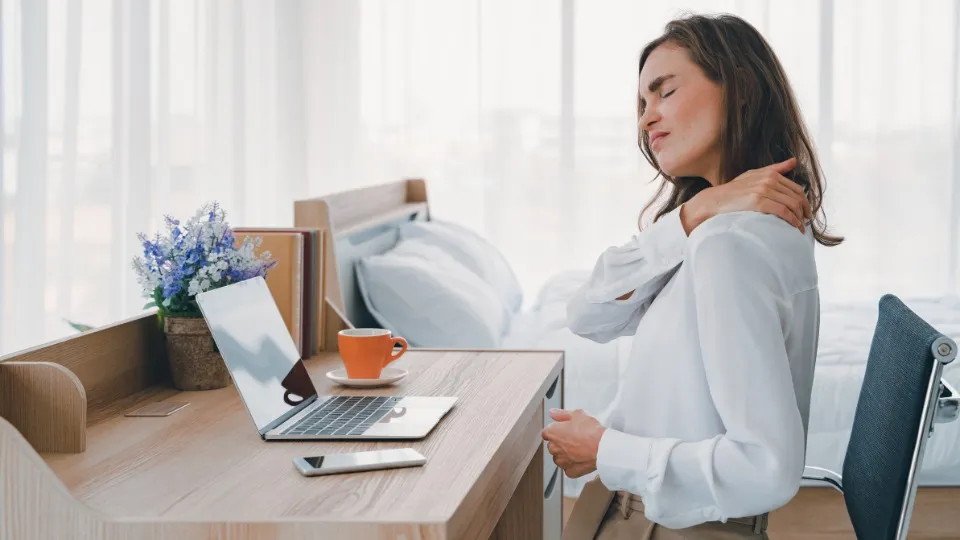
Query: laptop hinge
[[286, 416]]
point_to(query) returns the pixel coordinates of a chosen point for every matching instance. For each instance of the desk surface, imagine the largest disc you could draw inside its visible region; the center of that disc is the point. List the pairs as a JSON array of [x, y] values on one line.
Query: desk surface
[[207, 462]]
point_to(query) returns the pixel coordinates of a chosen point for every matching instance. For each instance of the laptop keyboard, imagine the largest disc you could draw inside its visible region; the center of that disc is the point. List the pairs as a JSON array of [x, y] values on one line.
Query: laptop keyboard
[[344, 415]]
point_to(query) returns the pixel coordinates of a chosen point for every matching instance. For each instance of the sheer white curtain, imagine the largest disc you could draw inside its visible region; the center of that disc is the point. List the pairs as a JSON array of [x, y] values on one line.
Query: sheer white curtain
[[520, 115], [118, 112]]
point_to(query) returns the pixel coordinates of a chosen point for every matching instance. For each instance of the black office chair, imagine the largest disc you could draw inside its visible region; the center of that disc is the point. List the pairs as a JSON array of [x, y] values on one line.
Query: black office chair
[[901, 398]]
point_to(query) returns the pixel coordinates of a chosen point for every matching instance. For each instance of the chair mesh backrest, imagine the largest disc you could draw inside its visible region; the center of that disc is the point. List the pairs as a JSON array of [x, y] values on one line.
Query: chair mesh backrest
[[884, 433]]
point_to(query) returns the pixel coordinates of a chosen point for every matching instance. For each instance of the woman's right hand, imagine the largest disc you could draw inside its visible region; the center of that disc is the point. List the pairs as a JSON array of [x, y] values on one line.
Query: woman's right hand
[[763, 190]]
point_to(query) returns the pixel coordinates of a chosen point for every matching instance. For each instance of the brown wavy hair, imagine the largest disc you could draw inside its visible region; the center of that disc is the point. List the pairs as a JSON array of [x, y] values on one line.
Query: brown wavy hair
[[767, 130]]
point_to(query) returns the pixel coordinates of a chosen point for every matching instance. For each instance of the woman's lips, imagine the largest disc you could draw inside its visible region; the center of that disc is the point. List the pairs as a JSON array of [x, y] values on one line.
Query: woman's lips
[[656, 138]]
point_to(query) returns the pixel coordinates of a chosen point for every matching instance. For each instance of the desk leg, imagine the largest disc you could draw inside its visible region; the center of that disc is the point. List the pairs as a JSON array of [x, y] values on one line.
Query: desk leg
[[522, 519]]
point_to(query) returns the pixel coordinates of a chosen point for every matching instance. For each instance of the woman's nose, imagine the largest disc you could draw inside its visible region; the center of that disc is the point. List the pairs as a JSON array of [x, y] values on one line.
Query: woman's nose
[[648, 118]]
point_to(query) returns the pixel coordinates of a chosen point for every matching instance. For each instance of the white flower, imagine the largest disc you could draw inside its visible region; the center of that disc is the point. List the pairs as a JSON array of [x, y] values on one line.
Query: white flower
[[198, 237]]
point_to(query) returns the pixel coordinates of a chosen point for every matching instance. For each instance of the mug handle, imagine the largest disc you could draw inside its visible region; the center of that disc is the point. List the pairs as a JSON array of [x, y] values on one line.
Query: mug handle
[[391, 357]]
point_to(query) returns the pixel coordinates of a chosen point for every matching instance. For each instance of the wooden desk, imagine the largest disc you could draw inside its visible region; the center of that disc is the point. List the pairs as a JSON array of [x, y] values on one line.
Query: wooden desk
[[204, 472]]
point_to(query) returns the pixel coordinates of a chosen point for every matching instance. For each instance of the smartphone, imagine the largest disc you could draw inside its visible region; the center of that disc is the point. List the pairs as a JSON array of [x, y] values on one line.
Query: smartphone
[[359, 461]]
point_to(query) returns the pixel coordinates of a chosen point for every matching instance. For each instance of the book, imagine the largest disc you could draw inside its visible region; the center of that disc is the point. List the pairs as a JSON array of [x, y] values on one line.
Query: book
[[294, 281]]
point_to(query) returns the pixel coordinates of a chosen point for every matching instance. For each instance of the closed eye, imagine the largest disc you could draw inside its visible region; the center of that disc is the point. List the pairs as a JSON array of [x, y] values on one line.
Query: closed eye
[[668, 94]]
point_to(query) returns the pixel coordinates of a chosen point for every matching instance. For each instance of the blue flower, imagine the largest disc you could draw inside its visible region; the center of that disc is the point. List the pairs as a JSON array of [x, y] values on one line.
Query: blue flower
[[198, 255]]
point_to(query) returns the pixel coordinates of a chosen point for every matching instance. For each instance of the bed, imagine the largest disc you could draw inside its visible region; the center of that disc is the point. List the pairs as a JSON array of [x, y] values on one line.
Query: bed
[[369, 225]]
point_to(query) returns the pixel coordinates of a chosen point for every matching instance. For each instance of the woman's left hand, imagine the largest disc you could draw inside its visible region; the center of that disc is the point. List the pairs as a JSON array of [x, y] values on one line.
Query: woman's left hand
[[573, 440]]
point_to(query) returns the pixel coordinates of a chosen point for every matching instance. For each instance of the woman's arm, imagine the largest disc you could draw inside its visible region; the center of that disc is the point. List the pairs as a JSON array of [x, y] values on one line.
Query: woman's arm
[[626, 279], [756, 465]]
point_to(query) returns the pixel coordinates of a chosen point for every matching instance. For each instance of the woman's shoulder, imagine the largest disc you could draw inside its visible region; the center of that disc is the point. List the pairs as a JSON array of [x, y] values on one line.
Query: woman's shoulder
[[763, 237]]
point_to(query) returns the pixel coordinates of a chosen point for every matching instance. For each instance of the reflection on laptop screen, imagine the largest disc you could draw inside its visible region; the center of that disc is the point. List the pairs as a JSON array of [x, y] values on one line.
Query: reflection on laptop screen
[[257, 348]]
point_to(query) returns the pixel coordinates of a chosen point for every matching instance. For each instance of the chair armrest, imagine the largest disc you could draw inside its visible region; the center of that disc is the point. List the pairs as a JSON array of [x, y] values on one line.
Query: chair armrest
[[825, 476], [948, 404]]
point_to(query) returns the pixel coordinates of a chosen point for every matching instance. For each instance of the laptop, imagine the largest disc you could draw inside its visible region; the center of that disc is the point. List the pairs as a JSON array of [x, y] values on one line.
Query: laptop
[[276, 389]]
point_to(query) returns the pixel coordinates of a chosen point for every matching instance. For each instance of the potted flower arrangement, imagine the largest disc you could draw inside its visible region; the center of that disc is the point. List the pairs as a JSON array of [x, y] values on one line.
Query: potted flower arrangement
[[198, 256]]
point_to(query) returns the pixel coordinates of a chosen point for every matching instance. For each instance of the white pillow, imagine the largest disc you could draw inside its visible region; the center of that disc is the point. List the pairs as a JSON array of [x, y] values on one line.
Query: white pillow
[[474, 252], [419, 292]]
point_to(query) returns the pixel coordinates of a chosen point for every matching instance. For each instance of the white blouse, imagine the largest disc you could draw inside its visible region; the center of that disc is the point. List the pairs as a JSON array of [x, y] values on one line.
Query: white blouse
[[710, 418]]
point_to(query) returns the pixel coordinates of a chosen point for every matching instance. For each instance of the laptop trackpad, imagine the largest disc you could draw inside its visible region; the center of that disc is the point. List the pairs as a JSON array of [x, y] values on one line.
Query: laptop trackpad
[[405, 422], [401, 431], [410, 415]]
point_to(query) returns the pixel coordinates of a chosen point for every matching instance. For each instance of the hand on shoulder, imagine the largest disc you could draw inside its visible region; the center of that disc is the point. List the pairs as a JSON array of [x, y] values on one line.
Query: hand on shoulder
[[763, 190]]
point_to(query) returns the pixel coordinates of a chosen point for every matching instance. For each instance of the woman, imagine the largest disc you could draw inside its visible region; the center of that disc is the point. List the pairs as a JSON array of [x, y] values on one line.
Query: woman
[[708, 432]]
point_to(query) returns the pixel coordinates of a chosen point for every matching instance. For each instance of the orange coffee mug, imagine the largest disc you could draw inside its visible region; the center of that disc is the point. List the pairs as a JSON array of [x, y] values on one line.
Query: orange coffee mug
[[366, 351]]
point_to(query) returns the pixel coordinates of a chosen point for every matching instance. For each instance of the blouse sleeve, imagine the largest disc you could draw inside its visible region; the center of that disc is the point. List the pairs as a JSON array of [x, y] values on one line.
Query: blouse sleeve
[[643, 265]]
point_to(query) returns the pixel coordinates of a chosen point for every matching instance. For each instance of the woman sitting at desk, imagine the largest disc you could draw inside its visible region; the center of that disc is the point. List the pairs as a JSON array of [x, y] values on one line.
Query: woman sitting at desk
[[708, 433]]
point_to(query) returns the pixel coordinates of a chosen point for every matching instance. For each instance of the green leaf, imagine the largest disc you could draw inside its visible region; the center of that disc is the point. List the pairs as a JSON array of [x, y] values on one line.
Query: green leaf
[[150, 304], [79, 327]]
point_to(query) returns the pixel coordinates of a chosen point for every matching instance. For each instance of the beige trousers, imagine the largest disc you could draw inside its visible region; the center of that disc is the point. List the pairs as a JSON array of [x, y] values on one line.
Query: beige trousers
[[601, 514]]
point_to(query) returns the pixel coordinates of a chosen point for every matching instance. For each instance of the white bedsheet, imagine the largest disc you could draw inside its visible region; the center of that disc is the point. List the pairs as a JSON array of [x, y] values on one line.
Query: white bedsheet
[[591, 369], [846, 330]]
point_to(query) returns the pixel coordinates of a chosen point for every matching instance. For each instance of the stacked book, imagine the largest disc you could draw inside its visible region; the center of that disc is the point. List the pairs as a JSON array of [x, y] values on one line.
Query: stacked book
[[294, 281]]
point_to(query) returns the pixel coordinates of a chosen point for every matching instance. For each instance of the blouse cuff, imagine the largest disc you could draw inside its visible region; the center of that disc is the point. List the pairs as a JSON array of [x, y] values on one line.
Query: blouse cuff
[[622, 461]]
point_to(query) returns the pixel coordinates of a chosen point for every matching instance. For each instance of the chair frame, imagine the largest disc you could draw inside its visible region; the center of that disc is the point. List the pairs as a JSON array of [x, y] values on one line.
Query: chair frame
[[942, 406]]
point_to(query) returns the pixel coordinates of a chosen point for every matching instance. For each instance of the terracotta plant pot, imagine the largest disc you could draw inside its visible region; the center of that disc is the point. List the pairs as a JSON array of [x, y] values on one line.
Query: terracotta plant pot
[[194, 360]]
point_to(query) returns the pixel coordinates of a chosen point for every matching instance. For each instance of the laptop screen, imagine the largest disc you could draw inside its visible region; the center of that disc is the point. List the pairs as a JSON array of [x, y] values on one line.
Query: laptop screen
[[257, 348]]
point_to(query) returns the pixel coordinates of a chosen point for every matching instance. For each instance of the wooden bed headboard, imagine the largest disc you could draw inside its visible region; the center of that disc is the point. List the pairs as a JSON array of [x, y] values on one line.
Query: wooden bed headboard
[[355, 224]]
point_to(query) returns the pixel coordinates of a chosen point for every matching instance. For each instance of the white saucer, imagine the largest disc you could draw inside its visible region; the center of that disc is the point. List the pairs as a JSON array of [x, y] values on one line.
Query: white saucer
[[388, 376]]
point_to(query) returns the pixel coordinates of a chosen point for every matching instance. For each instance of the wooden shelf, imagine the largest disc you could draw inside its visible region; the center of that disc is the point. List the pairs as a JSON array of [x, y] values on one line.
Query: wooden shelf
[[48, 404]]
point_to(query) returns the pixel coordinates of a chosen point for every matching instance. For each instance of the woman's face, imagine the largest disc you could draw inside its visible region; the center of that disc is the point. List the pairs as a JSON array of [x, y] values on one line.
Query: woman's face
[[681, 114]]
